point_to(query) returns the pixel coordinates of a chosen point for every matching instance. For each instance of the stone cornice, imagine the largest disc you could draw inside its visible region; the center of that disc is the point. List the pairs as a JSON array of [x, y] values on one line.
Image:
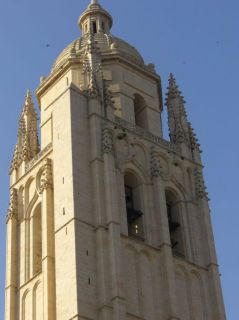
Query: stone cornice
[[47, 83]]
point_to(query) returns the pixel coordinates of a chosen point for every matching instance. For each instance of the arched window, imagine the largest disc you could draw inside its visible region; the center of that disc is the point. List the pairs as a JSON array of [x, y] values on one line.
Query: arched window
[[37, 240], [174, 222], [94, 27], [140, 111], [133, 206]]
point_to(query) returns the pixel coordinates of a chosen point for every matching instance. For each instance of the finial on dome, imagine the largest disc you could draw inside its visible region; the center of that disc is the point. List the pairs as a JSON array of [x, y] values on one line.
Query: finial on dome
[[28, 94], [94, 2]]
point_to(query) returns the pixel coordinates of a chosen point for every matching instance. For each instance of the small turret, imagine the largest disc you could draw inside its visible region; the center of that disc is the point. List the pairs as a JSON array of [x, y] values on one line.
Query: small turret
[[27, 141], [180, 129], [95, 19]]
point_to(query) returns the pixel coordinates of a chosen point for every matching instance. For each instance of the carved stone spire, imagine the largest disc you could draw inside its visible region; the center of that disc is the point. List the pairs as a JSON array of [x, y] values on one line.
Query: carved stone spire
[[27, 143], [177, 117], [180, 129]]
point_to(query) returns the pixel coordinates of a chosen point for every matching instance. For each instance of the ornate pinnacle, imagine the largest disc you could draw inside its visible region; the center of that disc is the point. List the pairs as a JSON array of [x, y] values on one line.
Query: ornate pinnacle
[[12, 210], [15, 159], [193, 138], [28, 107], [201, 190], [180, 128], [27, 145], [26, 152], [175, 93]]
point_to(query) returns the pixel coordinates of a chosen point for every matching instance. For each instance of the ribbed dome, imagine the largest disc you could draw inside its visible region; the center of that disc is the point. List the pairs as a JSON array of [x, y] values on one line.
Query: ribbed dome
[[107, 45]]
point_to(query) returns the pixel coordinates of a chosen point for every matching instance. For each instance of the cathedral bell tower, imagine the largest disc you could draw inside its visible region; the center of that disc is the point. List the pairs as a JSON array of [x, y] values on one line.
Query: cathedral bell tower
[[107, 219]]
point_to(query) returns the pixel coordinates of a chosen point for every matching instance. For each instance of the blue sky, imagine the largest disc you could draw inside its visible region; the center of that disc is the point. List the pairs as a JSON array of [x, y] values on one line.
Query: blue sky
[[196, 40]]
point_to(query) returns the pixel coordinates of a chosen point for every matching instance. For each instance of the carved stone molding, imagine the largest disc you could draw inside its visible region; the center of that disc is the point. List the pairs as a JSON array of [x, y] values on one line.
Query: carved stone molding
[[108, 96], [92, 67], [107, 141], [46, 178], [156, 168], [12, 210]]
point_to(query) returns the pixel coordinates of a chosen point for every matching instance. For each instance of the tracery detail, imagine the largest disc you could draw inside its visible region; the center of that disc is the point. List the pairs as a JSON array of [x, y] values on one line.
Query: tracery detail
[[107, 140]]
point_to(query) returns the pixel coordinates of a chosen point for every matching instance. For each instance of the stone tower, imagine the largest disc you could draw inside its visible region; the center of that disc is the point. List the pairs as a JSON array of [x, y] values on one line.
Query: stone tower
[[107, 219]]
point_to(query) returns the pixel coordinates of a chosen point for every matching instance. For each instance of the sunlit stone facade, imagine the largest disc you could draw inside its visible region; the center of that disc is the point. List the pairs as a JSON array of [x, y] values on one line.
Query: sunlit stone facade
[[107, 219]]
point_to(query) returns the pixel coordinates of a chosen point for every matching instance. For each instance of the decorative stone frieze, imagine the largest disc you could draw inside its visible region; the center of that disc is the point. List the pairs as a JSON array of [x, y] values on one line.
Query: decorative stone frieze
[[107, 140], [46, 178], [12, 210]]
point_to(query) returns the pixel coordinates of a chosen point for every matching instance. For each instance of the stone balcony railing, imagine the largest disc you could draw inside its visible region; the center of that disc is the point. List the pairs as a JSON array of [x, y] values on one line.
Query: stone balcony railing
[[37, 157], [145, 134]]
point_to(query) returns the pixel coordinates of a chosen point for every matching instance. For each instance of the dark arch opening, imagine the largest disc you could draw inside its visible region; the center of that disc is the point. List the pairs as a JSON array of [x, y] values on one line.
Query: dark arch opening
[[133, 202], [174, 222]]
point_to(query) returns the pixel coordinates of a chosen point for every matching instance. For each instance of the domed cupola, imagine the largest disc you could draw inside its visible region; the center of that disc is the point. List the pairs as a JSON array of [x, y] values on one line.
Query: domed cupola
[[95, 19], [96, 22]]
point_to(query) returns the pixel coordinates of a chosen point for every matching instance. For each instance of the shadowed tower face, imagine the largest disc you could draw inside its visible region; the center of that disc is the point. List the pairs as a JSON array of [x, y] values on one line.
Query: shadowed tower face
[[107, 219]]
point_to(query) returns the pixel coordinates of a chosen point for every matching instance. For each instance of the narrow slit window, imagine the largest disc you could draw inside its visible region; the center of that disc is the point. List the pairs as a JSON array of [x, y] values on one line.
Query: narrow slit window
[[94, 27], [140, 111]]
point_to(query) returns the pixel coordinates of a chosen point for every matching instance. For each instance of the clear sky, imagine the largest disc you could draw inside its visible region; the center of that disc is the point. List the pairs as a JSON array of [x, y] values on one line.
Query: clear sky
[[196, 40]]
